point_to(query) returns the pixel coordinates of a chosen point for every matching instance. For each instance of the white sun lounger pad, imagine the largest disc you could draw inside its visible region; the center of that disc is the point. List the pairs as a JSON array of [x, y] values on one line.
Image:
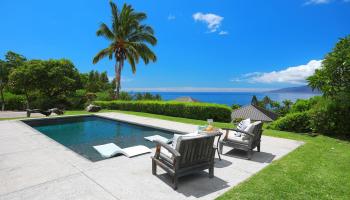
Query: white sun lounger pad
[[111, 149]]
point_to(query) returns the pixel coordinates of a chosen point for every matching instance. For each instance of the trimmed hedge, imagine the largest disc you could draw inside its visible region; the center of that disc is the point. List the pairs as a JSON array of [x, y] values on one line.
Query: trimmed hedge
[[201, 111], [295, 122], [14, 102]]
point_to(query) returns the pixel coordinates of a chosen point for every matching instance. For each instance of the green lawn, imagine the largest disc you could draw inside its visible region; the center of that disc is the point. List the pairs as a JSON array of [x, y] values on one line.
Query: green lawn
[[320, 169]]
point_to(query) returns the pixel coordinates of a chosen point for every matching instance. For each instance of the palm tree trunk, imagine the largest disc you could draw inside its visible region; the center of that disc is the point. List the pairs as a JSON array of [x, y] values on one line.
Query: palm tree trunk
[[118, 71]]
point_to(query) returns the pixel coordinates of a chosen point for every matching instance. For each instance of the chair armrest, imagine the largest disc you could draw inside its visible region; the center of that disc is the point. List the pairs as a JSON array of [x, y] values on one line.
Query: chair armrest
[[167, 147], [237, 130], [228, 129]]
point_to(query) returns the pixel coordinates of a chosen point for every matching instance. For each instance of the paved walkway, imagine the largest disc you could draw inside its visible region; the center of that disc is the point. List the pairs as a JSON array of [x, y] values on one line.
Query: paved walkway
[[18, 114], [32, 166]]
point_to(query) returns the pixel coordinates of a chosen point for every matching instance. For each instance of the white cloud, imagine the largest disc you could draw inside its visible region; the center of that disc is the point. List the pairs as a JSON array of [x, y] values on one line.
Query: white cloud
[[213, 21], [316, 2], [171, 17], [223, 33], [291, 75]]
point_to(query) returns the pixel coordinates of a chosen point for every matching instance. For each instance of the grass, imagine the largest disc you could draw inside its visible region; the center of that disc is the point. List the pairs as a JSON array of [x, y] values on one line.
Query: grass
[[317, 170]]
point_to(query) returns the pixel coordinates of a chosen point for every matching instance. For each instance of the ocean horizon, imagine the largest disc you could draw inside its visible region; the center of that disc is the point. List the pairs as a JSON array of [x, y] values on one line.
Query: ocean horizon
[[229, 98]]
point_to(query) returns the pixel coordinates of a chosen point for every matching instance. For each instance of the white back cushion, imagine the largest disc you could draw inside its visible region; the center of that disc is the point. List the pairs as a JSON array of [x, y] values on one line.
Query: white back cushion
[[243, 124], [178, 136]]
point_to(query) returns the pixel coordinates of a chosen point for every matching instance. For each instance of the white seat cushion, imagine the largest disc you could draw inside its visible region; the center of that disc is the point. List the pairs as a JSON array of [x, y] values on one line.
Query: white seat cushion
[[231, 136]]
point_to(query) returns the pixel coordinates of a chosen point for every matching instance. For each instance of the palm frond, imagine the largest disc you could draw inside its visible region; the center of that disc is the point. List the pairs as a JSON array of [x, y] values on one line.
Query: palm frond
[[145, 52], [100, 55], [143, 37], [105, 32], [131, 60]]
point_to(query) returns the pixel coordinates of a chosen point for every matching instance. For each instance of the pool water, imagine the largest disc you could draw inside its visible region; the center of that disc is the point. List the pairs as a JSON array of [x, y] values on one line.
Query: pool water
[[80, 134]]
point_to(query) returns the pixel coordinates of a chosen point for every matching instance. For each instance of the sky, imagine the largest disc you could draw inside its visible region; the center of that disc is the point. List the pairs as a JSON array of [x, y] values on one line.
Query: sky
[[207, 45]]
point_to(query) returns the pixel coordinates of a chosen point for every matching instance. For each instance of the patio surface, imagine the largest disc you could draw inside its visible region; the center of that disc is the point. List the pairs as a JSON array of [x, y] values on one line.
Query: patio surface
[[18, 114], [32, 166]]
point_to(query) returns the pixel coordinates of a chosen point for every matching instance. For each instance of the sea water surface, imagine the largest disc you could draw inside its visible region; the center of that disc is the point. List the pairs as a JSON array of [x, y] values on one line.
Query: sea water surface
[[229, 98]]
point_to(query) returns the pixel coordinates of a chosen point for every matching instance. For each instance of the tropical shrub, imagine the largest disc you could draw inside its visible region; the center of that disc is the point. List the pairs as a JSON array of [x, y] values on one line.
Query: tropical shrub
[[302, 105], [331, 116], [146, 96], [104, 96], [201, 111], [125, 96], [77, 100], [14, 102], [235, 106], [295, 122]]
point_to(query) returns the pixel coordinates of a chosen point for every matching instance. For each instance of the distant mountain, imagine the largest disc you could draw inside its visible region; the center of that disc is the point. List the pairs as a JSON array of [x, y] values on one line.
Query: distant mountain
[[301, 89]]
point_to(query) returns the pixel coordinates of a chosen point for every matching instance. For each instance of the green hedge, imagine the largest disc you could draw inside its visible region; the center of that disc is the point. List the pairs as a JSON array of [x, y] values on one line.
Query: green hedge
[[295, 122], [14, 102], [201, 111]]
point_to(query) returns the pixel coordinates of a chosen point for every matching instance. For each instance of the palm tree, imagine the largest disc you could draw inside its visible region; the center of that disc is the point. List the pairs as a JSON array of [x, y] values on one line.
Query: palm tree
[[266, 101], [128, 38]]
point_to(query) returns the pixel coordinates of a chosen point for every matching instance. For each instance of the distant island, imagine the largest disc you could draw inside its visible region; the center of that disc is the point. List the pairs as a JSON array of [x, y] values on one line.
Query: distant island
[[300, 89]]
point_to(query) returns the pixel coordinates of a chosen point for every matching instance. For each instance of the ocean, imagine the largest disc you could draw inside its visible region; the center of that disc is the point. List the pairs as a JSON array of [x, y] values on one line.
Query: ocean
[[229, 98]]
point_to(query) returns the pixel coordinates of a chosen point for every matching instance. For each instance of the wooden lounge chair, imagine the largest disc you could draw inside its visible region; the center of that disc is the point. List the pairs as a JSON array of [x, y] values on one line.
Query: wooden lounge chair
[[192, 154], [248, 142], [44, 112]]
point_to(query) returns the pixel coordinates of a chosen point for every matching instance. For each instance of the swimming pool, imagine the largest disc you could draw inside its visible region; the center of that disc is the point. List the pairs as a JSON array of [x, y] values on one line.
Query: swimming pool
[[81, 133]]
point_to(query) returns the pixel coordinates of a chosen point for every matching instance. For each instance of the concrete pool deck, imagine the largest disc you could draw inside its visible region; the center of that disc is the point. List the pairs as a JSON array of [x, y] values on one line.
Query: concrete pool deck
[[33, 166]]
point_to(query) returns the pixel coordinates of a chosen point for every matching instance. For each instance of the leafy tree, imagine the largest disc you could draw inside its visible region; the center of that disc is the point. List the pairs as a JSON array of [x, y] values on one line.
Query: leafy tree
[[51, 81], [330, 115], [266, 101], [4, 72], [334, 76], [14, 60], [21, 80], [57, 71], [125, 96], [128, 38], [235, 106], [254, 100], [104, 78], [95, 81]]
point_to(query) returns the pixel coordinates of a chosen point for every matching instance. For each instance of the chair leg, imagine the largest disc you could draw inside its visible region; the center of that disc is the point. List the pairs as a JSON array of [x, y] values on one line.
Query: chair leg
[[220, 147], [154, 167], [219, 154], [211, 172], [249, 154], [175, 180]]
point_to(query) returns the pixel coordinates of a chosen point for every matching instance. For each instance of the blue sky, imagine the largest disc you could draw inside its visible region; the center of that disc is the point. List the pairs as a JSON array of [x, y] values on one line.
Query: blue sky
[[202, 45]]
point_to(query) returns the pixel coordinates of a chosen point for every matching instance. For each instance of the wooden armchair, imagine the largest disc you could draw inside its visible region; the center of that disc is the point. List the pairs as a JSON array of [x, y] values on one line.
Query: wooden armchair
[[192, 154], [248, 142]]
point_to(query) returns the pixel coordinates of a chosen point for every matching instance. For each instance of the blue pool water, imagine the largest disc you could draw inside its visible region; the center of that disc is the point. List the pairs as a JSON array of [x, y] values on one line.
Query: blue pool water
[[80, 134]]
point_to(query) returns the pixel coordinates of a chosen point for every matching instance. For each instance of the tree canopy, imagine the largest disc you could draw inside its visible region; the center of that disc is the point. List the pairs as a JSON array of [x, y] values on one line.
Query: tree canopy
[[52, 79], [334, 76]]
